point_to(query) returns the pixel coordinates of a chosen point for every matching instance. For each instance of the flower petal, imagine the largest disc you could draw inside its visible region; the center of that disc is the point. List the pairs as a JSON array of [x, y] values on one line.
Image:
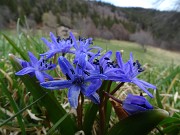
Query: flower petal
[[49, 44], [148, 85], [25, 71], [95, 76], [53, 38], [47, 76], [131, 109], [66, 67], [140, 85], [95, 98], [95, 84], [73, 95], [39, 76], [33, 59], [119, 60], [57, 84], [74, 40]]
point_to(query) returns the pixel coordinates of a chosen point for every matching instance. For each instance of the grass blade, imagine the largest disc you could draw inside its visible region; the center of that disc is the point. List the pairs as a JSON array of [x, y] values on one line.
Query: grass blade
[[14, 106], [57, 124]]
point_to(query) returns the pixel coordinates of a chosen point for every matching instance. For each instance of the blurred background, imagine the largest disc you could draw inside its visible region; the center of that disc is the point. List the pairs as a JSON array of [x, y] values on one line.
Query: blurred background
[[151, 22]]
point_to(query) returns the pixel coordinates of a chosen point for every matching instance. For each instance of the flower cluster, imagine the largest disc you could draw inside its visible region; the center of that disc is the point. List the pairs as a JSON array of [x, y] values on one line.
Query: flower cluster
[[86, 72]]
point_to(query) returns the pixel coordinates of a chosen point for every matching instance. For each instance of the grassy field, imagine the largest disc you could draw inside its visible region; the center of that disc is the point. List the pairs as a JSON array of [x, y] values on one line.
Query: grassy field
[[153, 55], [162, 70]]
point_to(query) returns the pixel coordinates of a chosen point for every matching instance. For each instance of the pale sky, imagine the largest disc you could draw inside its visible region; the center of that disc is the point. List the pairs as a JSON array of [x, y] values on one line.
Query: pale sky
[[166, 5]]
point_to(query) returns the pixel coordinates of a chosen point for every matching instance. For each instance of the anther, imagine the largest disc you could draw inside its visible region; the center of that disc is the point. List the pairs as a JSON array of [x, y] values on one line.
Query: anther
[[106, 58], [58, 39], [86, 72], [101, 69], [67, 77], [72, 71]]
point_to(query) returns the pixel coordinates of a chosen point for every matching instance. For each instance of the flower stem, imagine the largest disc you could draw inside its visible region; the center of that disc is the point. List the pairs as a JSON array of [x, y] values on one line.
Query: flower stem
[[110, 96], [80, 110], [117, 87]]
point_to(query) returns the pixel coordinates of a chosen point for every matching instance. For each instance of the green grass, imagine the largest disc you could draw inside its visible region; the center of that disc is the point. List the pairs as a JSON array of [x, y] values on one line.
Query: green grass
[[153, 55]]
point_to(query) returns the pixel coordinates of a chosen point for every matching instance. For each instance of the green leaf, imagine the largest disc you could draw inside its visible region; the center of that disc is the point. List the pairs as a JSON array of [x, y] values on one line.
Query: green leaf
[[57, 124], [170, 120], [158, 99], [89, 118], [139, 124], [11, 42], [53, 107], [18, 113]]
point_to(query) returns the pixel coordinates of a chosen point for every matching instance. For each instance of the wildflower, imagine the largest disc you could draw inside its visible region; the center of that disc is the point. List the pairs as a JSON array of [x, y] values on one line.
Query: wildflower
[[78, 80], [82, 46], [133, 104], [57, 46], [130, 70], [105, 66], [35, 67]]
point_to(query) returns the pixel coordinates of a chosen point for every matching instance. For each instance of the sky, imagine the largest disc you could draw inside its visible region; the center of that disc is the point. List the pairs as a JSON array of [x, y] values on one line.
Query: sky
[[165, 5]]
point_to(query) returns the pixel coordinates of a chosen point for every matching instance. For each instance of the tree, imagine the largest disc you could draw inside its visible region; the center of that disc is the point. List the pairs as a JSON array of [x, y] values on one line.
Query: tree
[[143, 38]]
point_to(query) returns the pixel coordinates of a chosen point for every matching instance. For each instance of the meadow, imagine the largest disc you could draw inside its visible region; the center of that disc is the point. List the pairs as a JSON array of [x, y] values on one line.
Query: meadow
[[19, 110]]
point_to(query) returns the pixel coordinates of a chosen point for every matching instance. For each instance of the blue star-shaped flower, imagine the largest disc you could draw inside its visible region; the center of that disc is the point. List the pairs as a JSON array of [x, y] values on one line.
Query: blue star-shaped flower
[[82, 46], [130, 70], [133, 104], [35, 67], [104, 66], [78, 80], [57, 46]]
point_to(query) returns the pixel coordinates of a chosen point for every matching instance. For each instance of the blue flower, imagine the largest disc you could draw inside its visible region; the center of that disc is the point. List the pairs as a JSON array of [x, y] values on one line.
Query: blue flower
[[133, 104], [130, 70], [78, 80], [82, 46], [35, 67], [57, 46], [105, 66]]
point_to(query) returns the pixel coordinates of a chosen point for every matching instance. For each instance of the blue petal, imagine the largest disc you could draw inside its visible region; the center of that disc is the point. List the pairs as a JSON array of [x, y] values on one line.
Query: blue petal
[[57, 84], [73, 95], [140, 85], [39, 76], [49, 44], [33, 59], [66, 67], [74, 40], [25, 71], [82, 61], [119, 60], [53, 38], [95, 84], [95, 76], [47, 76], [147, 85], [49, 53], [131, 108], [108, 55], [95, 98]]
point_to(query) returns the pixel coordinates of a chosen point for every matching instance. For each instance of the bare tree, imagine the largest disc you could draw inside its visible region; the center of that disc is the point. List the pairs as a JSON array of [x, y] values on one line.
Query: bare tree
[[143, 38]]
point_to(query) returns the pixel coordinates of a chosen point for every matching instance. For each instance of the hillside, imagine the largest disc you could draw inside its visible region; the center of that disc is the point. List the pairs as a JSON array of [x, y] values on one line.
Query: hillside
[[95, 19]]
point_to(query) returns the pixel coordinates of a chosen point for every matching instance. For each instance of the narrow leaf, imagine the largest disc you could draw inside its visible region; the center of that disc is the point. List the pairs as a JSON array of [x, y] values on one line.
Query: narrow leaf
[[57, 124]]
